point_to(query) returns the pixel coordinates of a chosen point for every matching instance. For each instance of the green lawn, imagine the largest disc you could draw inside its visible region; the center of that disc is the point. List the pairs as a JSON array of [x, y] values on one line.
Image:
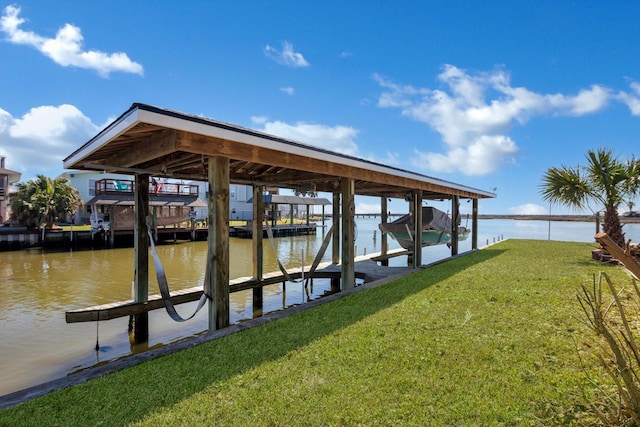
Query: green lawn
[[486, 339]]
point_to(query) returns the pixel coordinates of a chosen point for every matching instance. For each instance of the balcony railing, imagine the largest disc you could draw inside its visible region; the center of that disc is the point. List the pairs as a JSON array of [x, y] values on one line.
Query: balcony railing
[[121, 186]]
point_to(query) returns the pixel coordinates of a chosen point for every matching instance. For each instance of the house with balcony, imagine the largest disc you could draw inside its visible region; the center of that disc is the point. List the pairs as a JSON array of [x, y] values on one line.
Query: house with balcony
[[7, 178]]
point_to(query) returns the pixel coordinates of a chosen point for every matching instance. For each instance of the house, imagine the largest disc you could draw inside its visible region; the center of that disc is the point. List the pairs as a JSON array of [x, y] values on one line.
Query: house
[[240, 204], [7, 178], [85, 183]]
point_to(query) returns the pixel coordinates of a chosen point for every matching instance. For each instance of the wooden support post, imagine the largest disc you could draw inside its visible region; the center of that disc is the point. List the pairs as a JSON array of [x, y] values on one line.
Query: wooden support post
[[384, 243], [335, 218], [417, 236], [307, 215], [274, 214], [291, 218], [217, 281], [455, 219], [141, 249], [348, 233], [474, 225], [258, 253]]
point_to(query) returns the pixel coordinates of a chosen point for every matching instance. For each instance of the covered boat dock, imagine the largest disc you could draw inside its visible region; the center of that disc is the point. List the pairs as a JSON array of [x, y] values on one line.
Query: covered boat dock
[[148, 141]]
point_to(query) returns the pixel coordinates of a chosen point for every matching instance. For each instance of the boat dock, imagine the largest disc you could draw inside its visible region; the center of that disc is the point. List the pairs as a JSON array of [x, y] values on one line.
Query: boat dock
[[246, 231], [367, 270]]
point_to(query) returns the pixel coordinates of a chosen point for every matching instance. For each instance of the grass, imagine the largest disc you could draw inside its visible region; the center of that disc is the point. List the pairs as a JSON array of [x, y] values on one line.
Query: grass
[[486, 339]]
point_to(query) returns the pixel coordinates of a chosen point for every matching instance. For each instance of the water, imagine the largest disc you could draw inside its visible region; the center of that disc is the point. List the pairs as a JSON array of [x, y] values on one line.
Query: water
[[37, 288]]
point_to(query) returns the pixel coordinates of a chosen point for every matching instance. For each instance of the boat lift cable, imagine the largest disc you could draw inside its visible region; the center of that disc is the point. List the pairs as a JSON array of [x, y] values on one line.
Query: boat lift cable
[[315, 263], [319, 255], [164, 286]]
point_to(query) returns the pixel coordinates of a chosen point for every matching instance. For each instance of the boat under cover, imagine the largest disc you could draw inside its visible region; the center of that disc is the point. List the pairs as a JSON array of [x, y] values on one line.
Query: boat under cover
[[436, 229]]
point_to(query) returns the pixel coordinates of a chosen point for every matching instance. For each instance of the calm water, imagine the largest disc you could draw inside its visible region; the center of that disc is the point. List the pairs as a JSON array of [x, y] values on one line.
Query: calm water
[[36, 288]]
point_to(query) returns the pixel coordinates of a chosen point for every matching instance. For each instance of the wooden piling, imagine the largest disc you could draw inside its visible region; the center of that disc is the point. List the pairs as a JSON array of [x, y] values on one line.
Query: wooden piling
[[141, 250], [258, 253], [348, 220], [455, 217], [384, 245], [417, 237], [217, 281], [474, 224], [335, 242]]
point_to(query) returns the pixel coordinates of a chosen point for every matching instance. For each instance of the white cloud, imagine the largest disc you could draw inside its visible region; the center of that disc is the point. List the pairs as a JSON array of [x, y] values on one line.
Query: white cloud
[[632, 100], [287, 56], [288, 90], [37, 142], [528, 209], [480, 157], [474, 113], [259, 120], [336, 138], [66, 48]]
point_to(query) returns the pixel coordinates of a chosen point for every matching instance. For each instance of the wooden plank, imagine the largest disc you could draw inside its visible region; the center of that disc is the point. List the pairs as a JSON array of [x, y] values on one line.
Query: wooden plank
[[622, 255], [129, 307]]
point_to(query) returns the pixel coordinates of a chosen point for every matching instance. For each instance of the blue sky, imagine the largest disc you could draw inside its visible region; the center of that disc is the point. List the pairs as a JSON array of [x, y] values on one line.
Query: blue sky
[[488, 94]]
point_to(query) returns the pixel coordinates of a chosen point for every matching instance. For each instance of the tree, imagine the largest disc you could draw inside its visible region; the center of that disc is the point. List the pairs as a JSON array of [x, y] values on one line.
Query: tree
[[43, 201], [605, 181]]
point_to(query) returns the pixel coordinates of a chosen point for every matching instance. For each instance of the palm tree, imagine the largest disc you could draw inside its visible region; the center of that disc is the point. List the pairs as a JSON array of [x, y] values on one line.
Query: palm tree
[[605, 181], [43, 201]]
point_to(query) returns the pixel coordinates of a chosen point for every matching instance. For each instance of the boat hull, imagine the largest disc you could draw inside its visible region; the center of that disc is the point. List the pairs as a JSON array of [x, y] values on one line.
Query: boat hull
[[429, 237], [436, 229]]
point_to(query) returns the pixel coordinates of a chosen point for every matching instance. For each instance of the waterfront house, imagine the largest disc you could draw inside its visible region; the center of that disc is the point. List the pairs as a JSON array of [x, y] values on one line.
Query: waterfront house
[[7, 178]]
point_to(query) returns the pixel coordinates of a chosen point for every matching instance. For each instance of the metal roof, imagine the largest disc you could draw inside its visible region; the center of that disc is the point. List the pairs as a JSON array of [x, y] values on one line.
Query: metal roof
[[167, 143]]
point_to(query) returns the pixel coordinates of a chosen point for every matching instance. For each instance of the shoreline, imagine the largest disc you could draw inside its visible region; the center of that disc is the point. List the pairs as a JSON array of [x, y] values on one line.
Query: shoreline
[[575, 218]]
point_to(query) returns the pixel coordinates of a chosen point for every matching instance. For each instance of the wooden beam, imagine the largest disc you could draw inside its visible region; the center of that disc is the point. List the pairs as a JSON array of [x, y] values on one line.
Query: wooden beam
[[120, 309], [210, 146], [217, 281], [348, 234], [157, 145]]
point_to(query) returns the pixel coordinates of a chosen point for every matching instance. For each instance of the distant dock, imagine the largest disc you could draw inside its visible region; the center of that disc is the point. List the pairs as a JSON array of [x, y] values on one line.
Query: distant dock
[[246, 232], [576, 218]]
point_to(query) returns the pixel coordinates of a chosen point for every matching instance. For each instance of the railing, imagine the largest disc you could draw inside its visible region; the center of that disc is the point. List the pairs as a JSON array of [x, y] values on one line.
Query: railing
[[121, 186]]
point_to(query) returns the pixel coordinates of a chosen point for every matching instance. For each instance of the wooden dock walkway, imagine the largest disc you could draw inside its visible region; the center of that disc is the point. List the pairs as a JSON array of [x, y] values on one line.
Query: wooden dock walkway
[[366, 269], [246, 232]]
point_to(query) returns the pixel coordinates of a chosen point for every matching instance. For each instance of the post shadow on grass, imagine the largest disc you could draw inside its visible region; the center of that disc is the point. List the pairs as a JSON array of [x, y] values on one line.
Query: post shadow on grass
[[205, 360]]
